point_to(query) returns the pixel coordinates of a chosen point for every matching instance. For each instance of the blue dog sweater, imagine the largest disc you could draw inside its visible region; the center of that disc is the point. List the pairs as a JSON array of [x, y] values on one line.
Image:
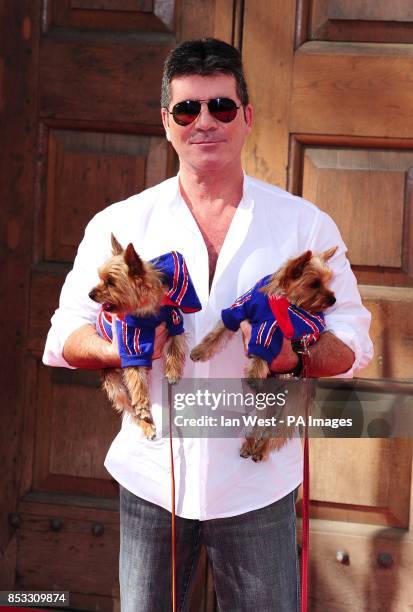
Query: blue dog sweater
[[136, 335], [272, 318]]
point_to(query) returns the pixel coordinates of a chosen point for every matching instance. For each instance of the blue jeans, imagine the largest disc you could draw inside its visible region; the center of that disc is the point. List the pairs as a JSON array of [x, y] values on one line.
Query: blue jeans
[[253, 557]]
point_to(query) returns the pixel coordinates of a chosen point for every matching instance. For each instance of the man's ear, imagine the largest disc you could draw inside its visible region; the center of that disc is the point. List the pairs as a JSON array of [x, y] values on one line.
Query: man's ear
[[248, 115], [133, 261], [165, 122], [116, 246]]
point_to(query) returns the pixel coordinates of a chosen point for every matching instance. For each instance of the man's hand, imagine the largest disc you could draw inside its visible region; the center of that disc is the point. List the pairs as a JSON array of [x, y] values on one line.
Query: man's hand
[[286, 359], [329, 356], [161, 336]]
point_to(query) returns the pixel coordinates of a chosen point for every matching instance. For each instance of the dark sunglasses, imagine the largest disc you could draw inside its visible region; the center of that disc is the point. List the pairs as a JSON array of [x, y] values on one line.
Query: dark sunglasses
[[223, 109]]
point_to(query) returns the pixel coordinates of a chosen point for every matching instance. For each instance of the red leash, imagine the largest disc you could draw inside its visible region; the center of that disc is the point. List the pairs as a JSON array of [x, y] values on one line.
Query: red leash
[[305, 527], [305, 514], [173, 516]]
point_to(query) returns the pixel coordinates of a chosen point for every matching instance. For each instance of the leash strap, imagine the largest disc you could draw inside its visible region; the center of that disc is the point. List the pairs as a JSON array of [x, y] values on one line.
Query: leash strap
[[305, 527], [173, 516], [305, 514]]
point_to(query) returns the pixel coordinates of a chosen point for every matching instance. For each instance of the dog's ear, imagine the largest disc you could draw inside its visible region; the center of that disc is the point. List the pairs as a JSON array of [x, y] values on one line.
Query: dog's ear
[[133, 261], [116, 246], [329, 253], [296, 267]]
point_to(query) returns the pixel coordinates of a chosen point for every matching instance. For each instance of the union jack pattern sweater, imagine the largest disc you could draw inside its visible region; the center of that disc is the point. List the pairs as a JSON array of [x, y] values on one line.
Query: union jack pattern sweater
[[136, 335], [272, 318]]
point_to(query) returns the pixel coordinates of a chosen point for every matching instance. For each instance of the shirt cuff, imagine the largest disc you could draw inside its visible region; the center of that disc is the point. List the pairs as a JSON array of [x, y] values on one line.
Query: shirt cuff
[[62, 327]]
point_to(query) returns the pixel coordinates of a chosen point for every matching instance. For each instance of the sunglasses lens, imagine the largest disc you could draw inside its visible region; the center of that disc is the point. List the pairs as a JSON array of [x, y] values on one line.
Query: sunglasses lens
[[223, 109], [186, 112]]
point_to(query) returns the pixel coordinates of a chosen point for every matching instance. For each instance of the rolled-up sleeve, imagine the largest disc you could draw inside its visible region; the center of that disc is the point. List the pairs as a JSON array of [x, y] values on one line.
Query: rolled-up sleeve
[[348, 319], [75, 307]]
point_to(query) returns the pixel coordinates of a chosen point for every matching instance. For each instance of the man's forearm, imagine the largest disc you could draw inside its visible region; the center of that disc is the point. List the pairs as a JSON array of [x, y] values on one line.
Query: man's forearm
[[329, 356], [85, 349]]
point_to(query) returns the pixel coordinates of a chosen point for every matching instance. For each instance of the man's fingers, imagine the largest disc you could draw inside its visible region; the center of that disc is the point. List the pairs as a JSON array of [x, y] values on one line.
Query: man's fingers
[[161, 336]]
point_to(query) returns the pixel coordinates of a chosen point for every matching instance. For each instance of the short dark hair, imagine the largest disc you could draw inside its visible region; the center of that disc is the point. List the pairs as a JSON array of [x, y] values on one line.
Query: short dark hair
[[205, 57]]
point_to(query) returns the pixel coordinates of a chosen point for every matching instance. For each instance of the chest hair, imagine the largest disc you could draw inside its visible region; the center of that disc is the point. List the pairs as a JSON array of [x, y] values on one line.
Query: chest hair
[[213, 231]]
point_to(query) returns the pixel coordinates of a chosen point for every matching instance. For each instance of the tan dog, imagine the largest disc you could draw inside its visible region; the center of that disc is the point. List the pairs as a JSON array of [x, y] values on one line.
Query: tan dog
[[301, 282], [130, 286]]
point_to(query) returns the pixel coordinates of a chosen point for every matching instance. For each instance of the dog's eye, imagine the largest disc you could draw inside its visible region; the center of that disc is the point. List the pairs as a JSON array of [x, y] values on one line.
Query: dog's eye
[[315, 284], [109, 282]]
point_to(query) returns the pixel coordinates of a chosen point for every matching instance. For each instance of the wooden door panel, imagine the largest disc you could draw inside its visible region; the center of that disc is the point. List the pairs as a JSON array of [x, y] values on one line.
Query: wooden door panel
[[361, 20], [63, 545], [143, 6], [74, 428], [367, 10], [370, 190], [391, 331], [352, 89], [99, 83], [366, 197], [120, 15], [341, 491], [89, 170], [362, 583]]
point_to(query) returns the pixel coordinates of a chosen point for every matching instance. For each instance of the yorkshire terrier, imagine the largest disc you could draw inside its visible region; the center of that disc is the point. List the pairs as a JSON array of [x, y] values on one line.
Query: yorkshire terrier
[[142, 295], [288, 303]]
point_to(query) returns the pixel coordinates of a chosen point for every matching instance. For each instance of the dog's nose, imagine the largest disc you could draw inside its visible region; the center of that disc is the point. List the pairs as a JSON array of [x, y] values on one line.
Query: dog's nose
[[332, 300], [92, 294]]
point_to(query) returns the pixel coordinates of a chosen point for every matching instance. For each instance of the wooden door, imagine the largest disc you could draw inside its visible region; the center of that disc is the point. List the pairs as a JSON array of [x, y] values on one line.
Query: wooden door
[[332, 89], [80, 90]]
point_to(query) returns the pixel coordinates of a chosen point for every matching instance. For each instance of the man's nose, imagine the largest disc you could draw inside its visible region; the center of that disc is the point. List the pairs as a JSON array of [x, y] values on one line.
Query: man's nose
[[205, 120]]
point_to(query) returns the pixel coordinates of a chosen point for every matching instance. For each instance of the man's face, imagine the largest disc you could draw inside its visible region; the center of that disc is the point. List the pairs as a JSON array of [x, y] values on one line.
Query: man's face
[[207, 144]]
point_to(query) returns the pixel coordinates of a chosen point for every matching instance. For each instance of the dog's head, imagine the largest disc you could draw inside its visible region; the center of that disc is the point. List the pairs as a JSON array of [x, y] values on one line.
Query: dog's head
[[304, 281], [128, 285]]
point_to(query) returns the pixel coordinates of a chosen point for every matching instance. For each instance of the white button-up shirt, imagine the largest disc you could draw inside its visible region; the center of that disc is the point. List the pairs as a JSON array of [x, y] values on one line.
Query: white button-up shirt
[[269, 226]]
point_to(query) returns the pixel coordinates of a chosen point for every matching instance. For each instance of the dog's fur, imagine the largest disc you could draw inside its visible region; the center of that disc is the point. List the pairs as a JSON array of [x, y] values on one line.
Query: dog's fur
[[303, 280], [129, 285]]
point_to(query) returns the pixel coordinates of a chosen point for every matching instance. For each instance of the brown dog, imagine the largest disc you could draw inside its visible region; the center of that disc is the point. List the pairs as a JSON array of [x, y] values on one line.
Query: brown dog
[[136, 289], [301, 282]]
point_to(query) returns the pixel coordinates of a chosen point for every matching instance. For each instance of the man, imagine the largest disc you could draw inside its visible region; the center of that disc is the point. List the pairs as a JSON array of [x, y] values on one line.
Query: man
[[232, 230]]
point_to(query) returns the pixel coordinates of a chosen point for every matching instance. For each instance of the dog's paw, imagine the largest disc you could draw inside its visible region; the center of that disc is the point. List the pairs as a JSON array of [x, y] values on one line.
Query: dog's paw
[[245, 451], [257, 457], [148, 429], [261, 450], [197, 354], [173, 373]]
